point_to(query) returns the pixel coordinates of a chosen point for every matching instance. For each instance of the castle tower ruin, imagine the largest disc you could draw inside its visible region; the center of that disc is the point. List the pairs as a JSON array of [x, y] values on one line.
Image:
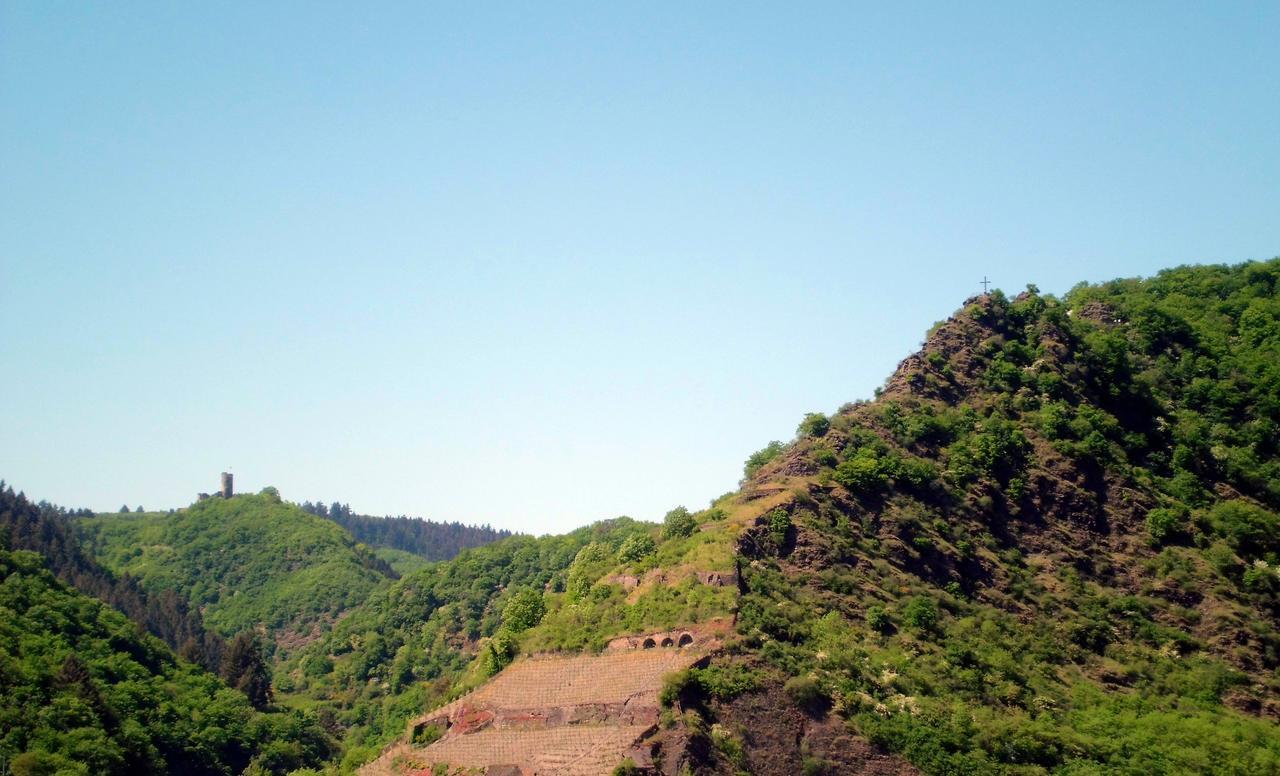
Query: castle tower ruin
[[226, 485]]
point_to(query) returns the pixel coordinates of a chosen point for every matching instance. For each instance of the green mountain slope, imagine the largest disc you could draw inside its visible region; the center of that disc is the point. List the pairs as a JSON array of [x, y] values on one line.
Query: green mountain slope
[[82, 691], [1049, 545], [247, 561]]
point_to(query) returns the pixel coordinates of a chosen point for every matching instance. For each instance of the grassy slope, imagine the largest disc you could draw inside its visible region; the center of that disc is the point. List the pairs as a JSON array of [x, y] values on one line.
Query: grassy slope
[[403, 562], [250, 560]]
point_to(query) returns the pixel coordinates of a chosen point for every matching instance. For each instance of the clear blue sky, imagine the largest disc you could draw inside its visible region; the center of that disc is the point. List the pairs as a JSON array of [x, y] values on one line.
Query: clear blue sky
[[539, 264]]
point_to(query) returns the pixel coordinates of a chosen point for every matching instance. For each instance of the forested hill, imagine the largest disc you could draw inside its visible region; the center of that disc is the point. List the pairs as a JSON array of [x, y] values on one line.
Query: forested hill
[[249, 561], [50, 531], [426, 538], [1050, 545], [83, 692]]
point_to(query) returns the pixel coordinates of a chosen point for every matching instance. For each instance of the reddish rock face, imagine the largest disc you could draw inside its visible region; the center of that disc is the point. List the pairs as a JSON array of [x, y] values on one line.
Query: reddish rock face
[[471, 721]]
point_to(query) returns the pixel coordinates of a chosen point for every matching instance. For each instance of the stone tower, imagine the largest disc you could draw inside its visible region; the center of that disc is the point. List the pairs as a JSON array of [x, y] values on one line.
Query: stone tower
[[226, 485]]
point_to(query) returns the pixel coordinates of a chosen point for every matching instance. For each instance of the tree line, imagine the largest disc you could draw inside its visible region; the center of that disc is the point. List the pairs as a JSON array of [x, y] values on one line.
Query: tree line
[[428, 538]]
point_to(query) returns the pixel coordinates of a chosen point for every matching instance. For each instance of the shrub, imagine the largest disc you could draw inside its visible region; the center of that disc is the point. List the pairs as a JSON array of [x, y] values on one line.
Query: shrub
[[779, 525], [917, 473], [921, 613], [627, 767], [815, 424], [728, 744], [676, 686], [498, 653], [426, 735], [825, 456], [726, 682], [1250, 530], [805, 692], [636, 547], [863, 473], [678, 523], [1000, 448], [525, 610], [761, 457], [590, 562], [878, 619], [1164, 524]]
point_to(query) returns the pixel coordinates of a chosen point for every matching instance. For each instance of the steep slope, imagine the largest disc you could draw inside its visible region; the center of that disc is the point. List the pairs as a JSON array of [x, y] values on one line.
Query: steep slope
[[83, 692], [50, 532], [247, 561], [1049, 545]]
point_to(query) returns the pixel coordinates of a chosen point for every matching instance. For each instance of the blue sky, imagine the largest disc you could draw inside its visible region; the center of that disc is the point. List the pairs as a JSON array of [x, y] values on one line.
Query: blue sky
[[540, 264]]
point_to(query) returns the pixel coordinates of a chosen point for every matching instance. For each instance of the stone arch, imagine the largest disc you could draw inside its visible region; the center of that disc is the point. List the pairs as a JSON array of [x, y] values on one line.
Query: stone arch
[[649, 644], [667, 642], [686, 639]]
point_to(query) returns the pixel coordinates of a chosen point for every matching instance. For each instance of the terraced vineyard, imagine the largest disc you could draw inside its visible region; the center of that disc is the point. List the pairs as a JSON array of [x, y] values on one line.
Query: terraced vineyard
[[580, 714]]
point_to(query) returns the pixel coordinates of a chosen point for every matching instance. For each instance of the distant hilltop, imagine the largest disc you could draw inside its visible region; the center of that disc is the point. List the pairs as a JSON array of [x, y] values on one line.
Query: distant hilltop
[[226, 491]]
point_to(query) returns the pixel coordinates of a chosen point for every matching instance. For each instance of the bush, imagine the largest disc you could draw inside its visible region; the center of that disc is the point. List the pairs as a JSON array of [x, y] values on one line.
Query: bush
[[759, 458], [426, 735], [1251, 531], [627, 767], [525, 610], [728, 744], [779, 525], [817, 767], [878, 619], [863, 473], [805, 692], [636, 547], [815, 424], [678, 523], [726, 682], [498, 653], [1000, 449], [917, 473], [1165, 524], [825, 456], [921, 613], [676, 687]]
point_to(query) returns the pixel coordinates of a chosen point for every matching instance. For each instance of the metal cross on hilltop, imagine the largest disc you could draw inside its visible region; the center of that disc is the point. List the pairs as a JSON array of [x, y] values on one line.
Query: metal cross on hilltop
[[985, 283]]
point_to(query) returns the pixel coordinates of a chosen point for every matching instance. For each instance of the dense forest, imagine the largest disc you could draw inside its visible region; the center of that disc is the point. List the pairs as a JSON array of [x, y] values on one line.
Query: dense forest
[[425, 538], [83, 691]]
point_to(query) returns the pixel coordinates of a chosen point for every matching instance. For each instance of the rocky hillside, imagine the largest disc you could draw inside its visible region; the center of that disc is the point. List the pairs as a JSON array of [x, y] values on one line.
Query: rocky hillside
[[1049, 545]]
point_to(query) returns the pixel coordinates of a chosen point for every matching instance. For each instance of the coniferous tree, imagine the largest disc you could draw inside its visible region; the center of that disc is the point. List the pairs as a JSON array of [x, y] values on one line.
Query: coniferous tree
[[244, 668]]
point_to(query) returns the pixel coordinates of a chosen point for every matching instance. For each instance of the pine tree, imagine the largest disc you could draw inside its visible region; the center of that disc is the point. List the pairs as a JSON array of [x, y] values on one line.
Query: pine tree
[[244, 668]]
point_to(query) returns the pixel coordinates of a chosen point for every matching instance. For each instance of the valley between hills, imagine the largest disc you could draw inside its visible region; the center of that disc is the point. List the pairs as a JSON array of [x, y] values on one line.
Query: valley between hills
[[1050, 544]]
